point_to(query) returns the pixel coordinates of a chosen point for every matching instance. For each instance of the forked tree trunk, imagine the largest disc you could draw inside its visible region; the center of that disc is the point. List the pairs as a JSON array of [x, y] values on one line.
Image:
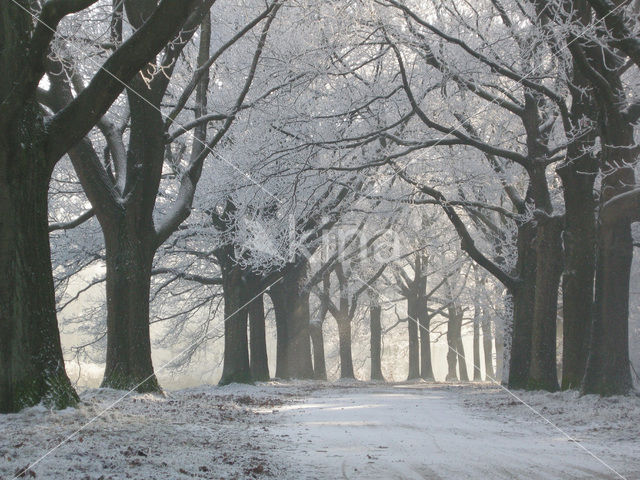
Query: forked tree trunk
[[317, 341], [31, 363], [487, 344], [259, 363], [130, 242], [375, 313], [236, 367], [291, 305], [543, 374], [346, 357], [523, 306], [129, 260]]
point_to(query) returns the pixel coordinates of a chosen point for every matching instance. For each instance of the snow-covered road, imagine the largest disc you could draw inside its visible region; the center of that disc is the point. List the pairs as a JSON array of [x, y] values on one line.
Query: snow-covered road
[[309, 430], [414, 432]]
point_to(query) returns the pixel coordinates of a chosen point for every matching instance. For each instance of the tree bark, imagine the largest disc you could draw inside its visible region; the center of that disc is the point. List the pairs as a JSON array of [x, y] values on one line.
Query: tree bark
[[543, 373], [317, 340], [291, 305], [129, 260], [375, 313], [259, 363], [236, 368], [523, 307]]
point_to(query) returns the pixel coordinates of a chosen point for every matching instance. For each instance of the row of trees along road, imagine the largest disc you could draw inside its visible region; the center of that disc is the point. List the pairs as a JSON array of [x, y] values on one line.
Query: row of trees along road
[[325, 154]]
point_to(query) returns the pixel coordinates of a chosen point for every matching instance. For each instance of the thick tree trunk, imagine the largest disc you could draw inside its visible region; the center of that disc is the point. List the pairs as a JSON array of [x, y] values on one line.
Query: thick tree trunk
[[608, 370], [375, 313], [317, 341], [578, 174], [608, 367], [291, 305], [236, 368], [543, 371], [31, 363], [346, 357], [487, 344], [523, 306], [129, 256], [414, 345], [259, 363], [579, 238]]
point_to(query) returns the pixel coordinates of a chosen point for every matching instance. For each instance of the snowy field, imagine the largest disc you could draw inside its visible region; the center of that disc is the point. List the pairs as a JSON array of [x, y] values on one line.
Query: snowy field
[[308, 430]]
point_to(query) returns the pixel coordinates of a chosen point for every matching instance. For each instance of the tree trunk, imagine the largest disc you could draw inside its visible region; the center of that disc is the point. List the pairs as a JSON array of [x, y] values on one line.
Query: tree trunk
[[477, 374], [462, 362], [523, 306], [578, 174], [608, 367], [375, 313], [579, 238], [500, 352], [412, 330], [236, 368], [346, 358], [487, 344], [317, 340], [608, 370], [543, 374], [31, 362], [259, 363], [129, 257], [453, 330], [291, 305], [426, 368]]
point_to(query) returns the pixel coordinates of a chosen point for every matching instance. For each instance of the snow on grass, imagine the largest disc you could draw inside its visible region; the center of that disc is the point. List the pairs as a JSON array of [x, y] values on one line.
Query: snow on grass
[[583, 417], [205, 432]]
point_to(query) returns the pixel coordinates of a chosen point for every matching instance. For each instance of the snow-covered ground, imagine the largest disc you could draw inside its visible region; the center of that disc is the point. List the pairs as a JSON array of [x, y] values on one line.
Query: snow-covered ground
[[308, 430]]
